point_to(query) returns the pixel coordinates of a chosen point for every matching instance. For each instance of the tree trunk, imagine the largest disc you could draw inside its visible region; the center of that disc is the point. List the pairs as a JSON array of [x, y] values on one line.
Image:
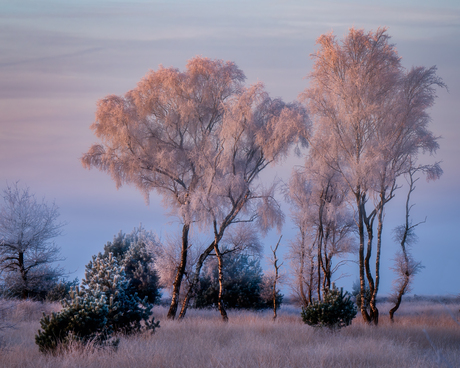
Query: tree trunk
[[275, 264], [362, 283], [373, 308], [23, 272], [303, 297], [320, 238], [401, 292], [327, 272], [194, 280], [369, 223], [377, 261], [220, 264], [180, 273], [319, 267], [408, 272], [312, 279]]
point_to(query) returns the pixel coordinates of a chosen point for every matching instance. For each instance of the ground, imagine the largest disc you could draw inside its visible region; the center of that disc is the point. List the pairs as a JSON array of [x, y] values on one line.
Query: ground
[[425, 334]]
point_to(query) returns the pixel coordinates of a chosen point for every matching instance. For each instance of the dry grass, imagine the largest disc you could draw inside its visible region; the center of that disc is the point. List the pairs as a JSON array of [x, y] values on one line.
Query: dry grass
[[253, 340]]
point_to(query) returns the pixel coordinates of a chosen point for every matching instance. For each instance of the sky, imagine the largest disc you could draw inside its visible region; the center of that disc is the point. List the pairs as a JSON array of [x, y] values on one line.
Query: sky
[[59, 58]]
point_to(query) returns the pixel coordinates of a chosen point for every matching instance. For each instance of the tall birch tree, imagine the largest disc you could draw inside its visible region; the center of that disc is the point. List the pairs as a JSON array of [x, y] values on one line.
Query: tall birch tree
[[198, 138], [370, 116], [154, 136]]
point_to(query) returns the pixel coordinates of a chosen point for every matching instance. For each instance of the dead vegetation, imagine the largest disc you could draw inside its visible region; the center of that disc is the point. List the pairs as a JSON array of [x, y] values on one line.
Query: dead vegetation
[[425, 333]]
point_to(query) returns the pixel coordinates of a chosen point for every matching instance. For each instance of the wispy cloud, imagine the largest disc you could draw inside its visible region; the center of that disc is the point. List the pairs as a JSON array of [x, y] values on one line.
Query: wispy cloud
[[51, 57]]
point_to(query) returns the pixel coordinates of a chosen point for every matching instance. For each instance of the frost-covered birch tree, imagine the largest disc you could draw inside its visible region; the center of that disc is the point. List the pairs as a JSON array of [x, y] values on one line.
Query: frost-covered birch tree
[[256, 132], [370, 116], [325, 228], [405, 266], [198, 138], [27, 252], [155, 136]]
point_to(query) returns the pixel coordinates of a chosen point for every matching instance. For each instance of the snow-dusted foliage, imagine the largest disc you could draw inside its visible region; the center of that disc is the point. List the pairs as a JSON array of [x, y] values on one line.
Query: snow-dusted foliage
[[135, 253], [95, 311], [335, 311], [199, 138], [370, 121], [27, 252]]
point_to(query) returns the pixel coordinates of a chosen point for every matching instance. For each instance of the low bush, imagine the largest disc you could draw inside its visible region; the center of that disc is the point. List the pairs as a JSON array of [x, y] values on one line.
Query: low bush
[[335, 311], [96, 311]]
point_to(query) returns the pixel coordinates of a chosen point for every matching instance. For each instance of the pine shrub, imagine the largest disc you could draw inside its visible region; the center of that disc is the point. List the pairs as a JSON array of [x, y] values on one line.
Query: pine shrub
[[335, 311], [245, 286], [132, 253], [97, 310], [356, 291]]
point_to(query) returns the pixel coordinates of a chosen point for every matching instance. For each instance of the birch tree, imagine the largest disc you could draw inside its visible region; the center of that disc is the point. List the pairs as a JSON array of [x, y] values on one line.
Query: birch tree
[[325, 224], [370, 116], [276, 277], [27, 251], [257, 131], [156, 134], [405, 265], [198, 138]]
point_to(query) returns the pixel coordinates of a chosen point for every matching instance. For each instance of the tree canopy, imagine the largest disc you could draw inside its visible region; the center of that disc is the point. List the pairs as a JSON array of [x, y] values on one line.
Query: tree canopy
[[27, 251]]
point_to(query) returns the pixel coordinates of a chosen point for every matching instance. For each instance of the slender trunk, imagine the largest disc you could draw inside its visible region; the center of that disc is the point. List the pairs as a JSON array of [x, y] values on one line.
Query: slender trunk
[[373, 309], [325, 264], [275, 264], [303, 297], [180, 273], [194, 280], [320, 238], [405, 284], [319, 259], [377, 260], [327, 273], [408, 272], [401, 292], [275, 307], [23, 272], [369, 223], [362, 282], [220, 263]]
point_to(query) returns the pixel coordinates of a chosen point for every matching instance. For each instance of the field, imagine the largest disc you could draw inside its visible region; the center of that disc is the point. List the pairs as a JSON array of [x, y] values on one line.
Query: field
[[424, 334]]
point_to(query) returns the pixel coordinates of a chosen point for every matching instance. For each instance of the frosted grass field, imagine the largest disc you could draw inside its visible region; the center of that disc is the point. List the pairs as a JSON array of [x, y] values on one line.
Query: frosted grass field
[[425, 334]]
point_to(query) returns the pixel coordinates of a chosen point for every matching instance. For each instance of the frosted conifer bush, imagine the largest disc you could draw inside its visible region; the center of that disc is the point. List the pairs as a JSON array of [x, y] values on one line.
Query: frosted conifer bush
[[97, 310], [133, 252], [335, 311]]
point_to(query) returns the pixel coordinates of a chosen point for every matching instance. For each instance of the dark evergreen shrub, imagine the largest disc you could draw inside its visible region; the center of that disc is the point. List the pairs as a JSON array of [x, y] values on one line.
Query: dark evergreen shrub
[[132, 254], [335, 311], [83, 319], [243, 284], [97, 310], [61, 290], [356, 292]]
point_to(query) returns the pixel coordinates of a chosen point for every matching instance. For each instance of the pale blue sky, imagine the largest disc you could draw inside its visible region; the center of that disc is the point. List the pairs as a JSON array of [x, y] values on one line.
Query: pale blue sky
[[58, 58]]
